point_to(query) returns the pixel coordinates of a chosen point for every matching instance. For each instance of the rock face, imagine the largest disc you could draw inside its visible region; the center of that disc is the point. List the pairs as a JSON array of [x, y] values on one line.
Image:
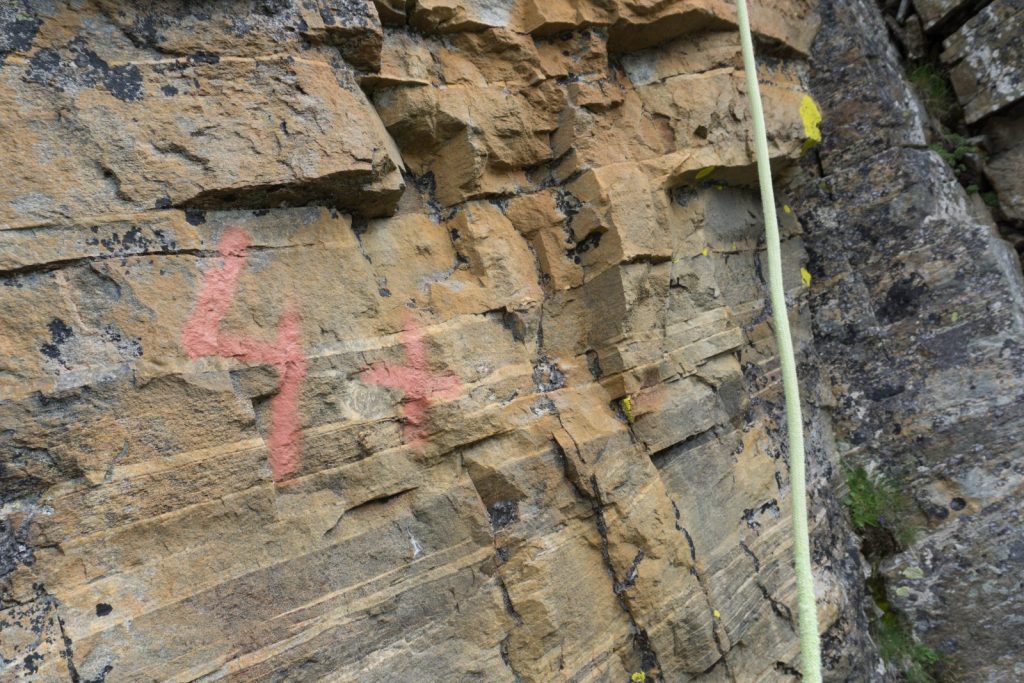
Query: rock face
[[918, 314], [429, 340], [986, 56]]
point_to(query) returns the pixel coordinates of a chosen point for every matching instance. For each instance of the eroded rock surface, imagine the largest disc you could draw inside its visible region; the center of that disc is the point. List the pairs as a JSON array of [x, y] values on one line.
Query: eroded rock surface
[[413, 341]]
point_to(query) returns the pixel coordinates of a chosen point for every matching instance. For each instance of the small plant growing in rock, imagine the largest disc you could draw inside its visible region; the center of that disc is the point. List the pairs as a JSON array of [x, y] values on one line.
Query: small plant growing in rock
[[876, 504], [915, 660], [638, 677], [961, 154], [933, 87]]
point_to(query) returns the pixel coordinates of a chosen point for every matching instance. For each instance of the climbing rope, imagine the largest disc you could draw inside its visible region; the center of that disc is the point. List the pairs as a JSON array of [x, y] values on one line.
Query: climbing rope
[[810, 645]]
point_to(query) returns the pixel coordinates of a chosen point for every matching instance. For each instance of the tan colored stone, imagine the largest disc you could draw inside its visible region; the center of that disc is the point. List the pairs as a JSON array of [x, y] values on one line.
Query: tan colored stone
[[641, 24], [501, 269], [448, 16], [499, 56], [142, 145], [620, 216], [529, 445], [352, 26], [403, 61]]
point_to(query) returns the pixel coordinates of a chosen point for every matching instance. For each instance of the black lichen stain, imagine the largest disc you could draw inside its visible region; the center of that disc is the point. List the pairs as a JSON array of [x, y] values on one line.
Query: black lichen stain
[[31, 662], [134, 242], [547, 376], [903, 299], [102, 676], [204, 58], [125, 83], [162, 203], [76, 66], [168, 90], [129, 348], [195, 216], [503, 513], [594, 364], [103, 609], [60, 333], [591, 241], [18, 28]]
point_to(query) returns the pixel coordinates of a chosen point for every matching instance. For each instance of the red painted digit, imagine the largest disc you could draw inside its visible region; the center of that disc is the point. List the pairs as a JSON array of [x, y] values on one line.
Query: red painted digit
[[416, 382], [202, 337]]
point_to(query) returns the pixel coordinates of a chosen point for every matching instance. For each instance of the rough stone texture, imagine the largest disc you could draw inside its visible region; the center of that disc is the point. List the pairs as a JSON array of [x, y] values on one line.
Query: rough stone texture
[[918, 316], [985, 58], [1005, 135], [96, 125], [533, 429], [936, 14]]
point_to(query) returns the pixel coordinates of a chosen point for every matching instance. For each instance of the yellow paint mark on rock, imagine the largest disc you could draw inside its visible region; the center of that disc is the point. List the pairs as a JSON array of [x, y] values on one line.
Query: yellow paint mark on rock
[[718, 615], [704, 252], [705, 172], [627, 409], [805, 277], [811, 116]]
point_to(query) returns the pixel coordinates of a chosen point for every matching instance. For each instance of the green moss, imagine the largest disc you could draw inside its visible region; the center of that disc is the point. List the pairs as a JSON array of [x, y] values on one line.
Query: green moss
[[876, 503]]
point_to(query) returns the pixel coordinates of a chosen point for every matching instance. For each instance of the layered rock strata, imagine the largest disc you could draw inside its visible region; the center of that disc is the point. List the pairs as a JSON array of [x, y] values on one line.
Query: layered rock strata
[[417, 341]]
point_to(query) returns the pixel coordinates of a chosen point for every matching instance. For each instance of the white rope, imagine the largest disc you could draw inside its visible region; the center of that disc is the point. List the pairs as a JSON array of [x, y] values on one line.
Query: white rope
[[810, 645]]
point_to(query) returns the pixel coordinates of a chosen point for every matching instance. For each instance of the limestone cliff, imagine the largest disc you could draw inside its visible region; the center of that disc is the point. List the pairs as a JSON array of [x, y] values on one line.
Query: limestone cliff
[[428, 340]]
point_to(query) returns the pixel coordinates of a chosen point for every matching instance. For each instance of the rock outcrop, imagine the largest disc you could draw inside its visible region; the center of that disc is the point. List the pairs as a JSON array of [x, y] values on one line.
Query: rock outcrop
[[429, 340], [918, 315], [275, 410]]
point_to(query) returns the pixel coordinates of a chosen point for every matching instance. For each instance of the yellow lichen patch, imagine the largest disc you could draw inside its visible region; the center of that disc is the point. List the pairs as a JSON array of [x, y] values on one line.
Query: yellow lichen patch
[[811, 116], [805, 277], [718, 615], [705, 172], [704, 252], [786, 209]]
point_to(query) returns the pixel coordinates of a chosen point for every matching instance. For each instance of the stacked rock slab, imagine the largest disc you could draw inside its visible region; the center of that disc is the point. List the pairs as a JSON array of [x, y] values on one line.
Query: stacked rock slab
[[918, 314], [406, 341]]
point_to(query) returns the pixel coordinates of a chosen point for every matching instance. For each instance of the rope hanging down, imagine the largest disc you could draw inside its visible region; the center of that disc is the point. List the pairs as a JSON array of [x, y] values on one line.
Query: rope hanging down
[[810, 645]]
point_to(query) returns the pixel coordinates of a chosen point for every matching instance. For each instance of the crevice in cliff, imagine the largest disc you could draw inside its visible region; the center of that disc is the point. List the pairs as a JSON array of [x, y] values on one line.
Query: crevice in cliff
[[702, 582], [967, 148], [504, 651], [641, 641]]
